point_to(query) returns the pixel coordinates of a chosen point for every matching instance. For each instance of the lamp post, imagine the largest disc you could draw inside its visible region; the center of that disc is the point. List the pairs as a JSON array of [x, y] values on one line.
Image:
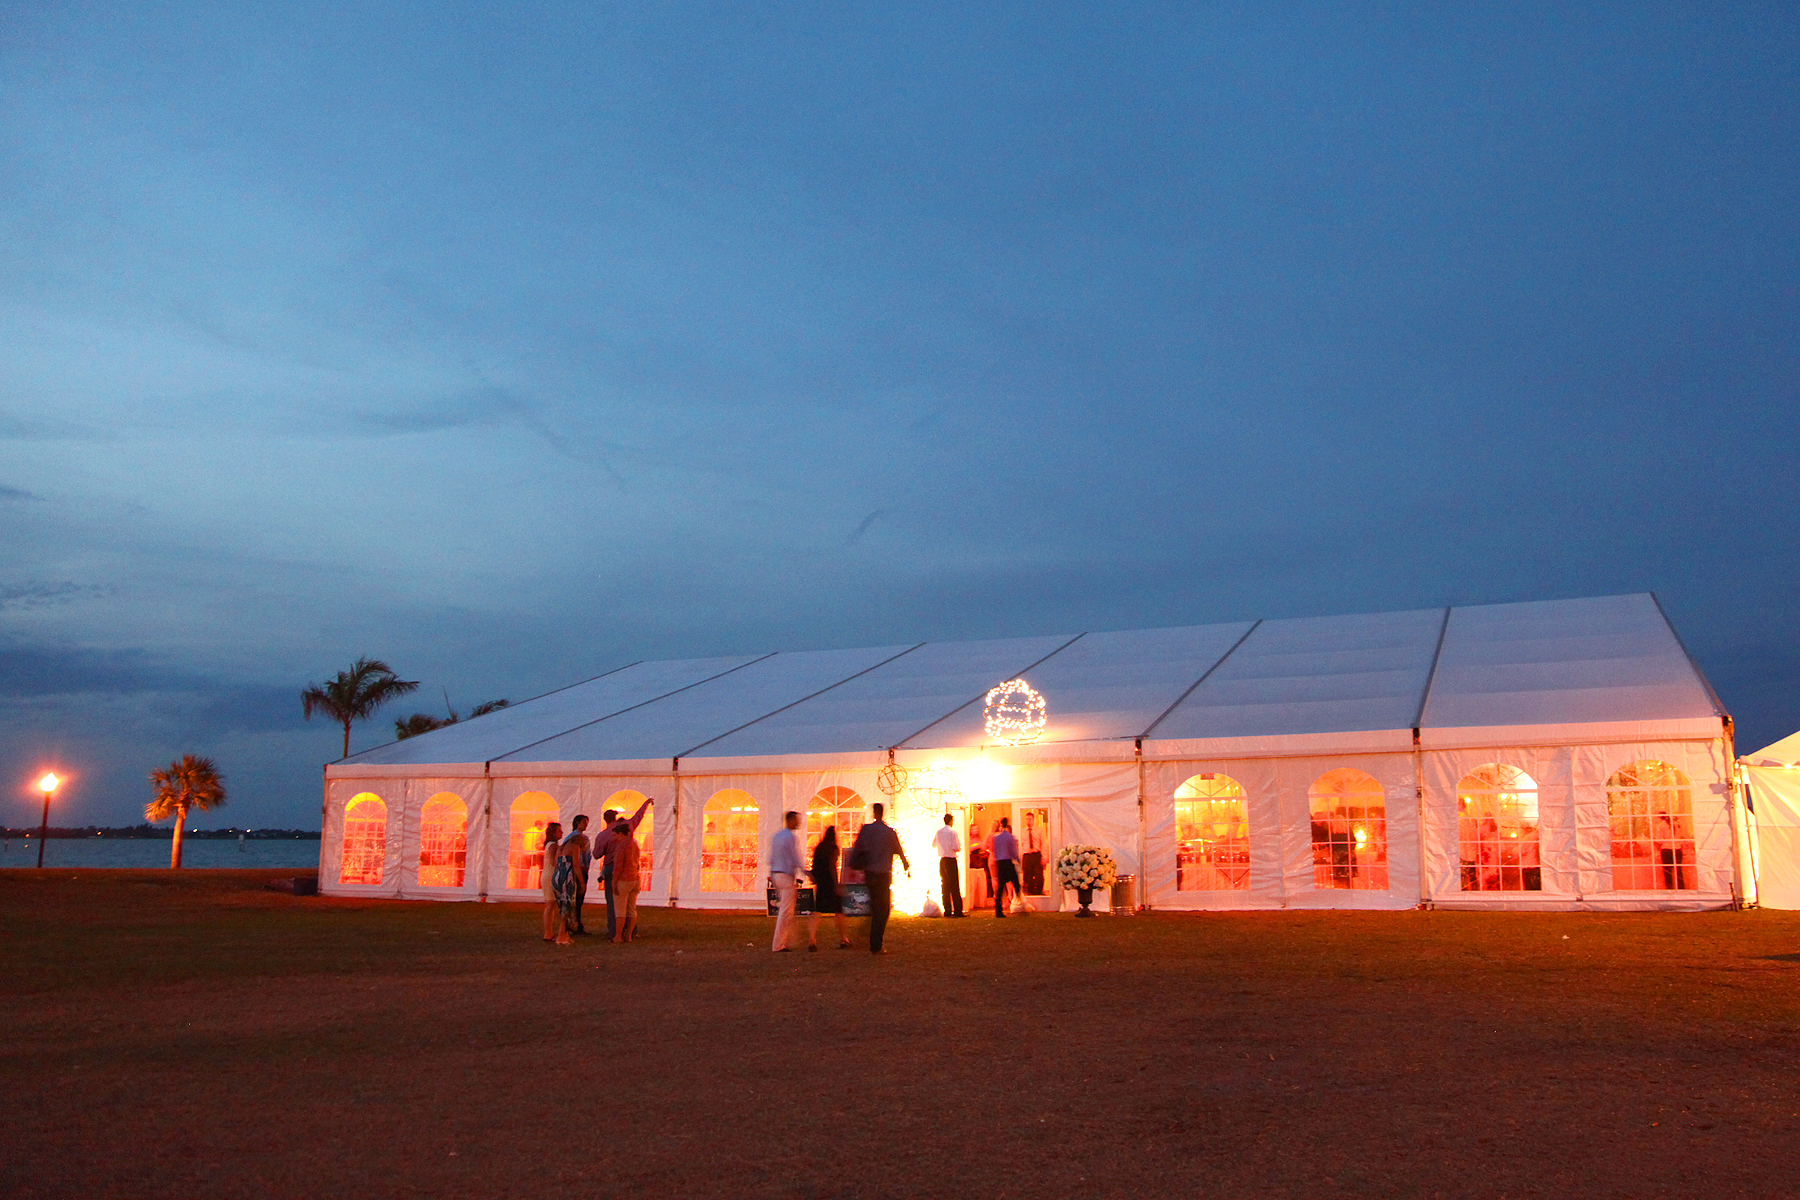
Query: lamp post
[[46, 785]]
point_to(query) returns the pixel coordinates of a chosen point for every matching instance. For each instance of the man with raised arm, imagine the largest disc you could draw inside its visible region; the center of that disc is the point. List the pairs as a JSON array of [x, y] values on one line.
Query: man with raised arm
[[601, 843]]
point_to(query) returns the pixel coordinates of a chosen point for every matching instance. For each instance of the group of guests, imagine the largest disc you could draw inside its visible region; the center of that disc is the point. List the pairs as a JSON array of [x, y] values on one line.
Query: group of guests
[[996, 858], [568, 861], [872, 856]]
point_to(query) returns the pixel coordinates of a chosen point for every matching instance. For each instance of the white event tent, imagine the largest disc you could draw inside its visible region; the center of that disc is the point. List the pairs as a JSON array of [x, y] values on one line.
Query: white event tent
[[1771, 779], [1552, 755]]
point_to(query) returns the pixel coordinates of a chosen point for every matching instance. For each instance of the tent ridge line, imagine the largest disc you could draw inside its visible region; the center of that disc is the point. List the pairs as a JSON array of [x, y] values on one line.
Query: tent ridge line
[[802, 700], [609, 716], [972, 699], [1195, 686], [1705, 683], [1431, 675]]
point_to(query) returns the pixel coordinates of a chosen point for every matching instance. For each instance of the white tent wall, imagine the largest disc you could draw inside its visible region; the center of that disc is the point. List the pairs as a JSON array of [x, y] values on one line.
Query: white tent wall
[[696, 790], [473, 793], [1775, 796], [1099, 807], [1262, 808], [1707, 767], [1549, 767], [1399, 784], [498, 845], [338, 795]]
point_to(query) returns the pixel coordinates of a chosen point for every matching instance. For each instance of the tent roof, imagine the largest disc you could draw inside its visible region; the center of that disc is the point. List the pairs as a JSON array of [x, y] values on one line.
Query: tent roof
[[1563, 662], [1785, 753]]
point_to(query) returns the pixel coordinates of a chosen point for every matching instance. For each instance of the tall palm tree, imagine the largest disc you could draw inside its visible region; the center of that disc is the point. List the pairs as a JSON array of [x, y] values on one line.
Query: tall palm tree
[[188, 783], [355, 694]]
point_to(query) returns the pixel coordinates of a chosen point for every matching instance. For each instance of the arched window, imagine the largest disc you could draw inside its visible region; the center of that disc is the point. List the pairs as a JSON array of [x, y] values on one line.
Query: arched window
[[1349, 831], [532, 813], [728, 843], [1212, 835], [628, 802], [365, 839], [1497, 830], [443, 841], [838, 807], [1649, 806]]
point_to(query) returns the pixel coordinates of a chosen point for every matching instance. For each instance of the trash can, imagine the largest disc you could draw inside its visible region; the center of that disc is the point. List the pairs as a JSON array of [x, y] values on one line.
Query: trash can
[[1124, 895]]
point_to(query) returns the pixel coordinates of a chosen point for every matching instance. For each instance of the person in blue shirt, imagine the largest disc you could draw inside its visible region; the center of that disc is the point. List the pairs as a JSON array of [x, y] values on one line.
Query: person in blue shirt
[[875, 849], [785, 872], [1006, 865]]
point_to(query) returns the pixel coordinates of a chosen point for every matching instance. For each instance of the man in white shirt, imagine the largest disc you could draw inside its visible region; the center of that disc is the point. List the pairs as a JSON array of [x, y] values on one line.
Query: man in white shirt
[[784, 873], [949, 848]]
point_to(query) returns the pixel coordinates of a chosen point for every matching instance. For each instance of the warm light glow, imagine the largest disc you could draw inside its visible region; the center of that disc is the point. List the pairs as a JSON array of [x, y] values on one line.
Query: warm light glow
[[986, 779], [49, 782], [1016, 714]]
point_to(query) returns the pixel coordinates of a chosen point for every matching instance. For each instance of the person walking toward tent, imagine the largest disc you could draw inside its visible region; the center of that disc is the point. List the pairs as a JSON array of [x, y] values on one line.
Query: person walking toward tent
[[584, 862], [949, 848], [784, 876], [624, 857], [824, 875], [873, 854], [1005, 850], [601, 844]]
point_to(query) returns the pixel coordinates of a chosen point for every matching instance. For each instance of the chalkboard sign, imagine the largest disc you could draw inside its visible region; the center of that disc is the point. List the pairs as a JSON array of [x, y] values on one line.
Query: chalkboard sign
[[803, 901]]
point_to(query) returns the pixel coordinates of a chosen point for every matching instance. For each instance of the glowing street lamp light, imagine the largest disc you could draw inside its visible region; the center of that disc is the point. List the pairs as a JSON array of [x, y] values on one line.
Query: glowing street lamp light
[[46, 785]]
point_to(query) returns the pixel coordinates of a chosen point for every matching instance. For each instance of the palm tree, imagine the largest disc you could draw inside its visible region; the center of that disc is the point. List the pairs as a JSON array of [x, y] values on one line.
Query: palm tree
[[419, 723], [355, 694], [185, 784]]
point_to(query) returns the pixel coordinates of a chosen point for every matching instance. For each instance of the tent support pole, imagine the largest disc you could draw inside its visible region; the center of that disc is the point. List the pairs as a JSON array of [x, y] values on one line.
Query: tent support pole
[[674, 830], [1419, 796], [487, 830], [1740, 893], [1143, 896]]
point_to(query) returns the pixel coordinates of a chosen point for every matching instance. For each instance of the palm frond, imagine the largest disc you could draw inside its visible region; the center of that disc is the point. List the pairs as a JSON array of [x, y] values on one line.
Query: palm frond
[[190, 782], [482, 710]]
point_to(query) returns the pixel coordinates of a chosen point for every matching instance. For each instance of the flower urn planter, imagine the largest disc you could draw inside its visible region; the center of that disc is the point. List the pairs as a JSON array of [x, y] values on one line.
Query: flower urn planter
[[1086, 896]]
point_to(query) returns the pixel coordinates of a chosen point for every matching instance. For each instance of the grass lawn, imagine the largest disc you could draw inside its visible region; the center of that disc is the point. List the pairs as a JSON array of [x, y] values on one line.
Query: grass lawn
[[196, 1035]]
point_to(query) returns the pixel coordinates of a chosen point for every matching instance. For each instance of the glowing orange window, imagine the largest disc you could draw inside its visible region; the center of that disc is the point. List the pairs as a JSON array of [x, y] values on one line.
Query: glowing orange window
[[628, 802], [1349, 831], [1497, 830], [1212, 835], [532, 813], [1650, 809], [443, 841], [365, 839], [728, 842], [837, 808]]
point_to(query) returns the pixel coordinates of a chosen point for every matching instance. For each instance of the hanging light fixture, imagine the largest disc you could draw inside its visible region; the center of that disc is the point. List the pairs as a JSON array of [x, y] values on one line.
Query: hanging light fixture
[[1016, 714]]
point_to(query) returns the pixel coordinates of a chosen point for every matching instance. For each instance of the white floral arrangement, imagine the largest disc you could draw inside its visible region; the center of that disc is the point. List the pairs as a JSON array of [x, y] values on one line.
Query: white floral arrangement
[[1086, 867]]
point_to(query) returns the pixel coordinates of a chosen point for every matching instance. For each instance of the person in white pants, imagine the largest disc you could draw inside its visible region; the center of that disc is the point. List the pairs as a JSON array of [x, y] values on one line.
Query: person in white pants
[[785, 871]]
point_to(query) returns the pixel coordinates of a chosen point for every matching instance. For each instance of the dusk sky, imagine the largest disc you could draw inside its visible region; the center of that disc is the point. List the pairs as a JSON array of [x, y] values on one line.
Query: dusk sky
[[513, 343]]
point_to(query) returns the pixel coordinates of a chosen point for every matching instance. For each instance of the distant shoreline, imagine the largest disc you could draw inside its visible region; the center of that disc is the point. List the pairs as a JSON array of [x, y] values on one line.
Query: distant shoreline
[[153, 834]]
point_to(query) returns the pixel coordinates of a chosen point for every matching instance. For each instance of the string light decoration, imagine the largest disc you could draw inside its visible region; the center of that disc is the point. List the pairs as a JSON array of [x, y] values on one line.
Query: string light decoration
[[935, 789], [1016, 714]]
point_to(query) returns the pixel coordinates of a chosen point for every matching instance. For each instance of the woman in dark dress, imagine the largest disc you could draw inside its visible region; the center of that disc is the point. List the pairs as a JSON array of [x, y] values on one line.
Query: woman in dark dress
[[825, 894]]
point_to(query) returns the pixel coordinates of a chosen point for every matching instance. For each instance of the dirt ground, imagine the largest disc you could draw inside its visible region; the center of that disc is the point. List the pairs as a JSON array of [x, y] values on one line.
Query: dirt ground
[[200, 1036]]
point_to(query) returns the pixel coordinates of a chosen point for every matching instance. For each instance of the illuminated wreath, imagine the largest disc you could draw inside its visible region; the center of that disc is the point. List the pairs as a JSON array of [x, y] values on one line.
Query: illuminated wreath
[[1016, 714], [935, 789], [892, 779]]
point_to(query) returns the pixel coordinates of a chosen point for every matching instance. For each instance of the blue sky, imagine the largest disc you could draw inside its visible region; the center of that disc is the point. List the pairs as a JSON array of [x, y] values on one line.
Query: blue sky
[[513, 343]]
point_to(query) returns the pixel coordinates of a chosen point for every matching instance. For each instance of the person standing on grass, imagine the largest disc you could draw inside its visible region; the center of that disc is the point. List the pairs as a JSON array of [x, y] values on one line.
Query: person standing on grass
[[554, 929], [1005, 850], [875, 847], [624, 856], [601, 843], [784, 875], [824, 875], [579, 838], [949, 848]]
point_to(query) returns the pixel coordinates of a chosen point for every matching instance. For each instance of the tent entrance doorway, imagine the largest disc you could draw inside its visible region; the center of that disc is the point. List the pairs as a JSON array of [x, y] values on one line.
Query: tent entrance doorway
[[1034, 828]]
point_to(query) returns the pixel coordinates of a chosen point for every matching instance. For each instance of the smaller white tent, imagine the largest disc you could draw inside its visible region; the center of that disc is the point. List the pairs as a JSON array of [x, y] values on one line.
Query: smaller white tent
[[1771, 779]]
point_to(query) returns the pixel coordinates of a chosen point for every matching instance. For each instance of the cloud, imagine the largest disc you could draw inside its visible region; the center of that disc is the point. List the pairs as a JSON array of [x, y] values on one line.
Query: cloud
[[16, 494]]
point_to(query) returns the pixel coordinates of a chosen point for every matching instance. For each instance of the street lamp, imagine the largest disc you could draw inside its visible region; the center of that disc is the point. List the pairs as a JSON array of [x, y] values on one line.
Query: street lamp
[[46, 785]]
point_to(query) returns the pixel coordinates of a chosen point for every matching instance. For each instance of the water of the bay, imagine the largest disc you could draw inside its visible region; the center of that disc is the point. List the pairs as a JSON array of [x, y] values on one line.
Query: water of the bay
[[200, 853]]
